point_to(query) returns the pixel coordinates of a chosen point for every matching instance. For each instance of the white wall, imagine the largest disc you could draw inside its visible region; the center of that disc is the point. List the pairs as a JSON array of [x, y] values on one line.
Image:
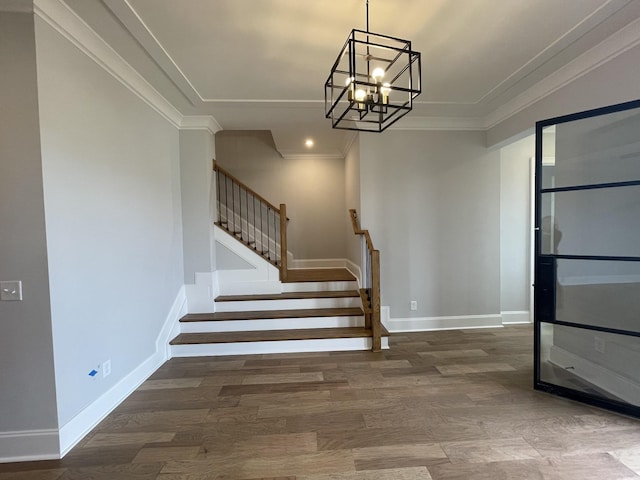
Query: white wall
[[113, 218], [431, 201], [515, 228], [197, 149], [27, 396], [313, 188], [352, 200]]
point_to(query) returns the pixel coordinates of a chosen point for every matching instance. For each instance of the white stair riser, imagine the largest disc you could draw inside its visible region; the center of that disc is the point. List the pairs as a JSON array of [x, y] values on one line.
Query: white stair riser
[[271, 324], [289, 304], [318, 286], [287, 346]]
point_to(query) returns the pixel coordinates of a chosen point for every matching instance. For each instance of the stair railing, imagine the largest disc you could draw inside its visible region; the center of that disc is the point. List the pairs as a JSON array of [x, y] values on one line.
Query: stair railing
[[370, 283], [252, 219]]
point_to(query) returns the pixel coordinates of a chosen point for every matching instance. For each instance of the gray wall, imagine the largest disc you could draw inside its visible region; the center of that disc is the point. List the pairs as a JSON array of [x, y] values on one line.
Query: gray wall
[[352, 200], [27, 396], [197, 149], [431, 201], [515, 224], [113, 217], [228, 260], [313, 188]]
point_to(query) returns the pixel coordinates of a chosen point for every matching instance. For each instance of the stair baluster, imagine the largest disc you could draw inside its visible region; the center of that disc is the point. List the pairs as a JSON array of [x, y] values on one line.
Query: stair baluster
[[238, 216]]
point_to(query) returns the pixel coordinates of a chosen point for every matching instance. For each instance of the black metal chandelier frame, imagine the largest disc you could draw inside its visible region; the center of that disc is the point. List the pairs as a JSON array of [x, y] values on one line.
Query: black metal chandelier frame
[[356, 98]]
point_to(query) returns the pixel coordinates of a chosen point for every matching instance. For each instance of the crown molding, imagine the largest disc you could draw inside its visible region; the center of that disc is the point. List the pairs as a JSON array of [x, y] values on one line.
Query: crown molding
[[613, 46], [65, 21], [439, 123], [16, 6], [139, 30], [291, 155], [200, 122]]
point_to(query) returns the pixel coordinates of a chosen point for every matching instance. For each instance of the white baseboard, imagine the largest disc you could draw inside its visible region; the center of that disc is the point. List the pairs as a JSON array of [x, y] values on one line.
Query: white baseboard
[[515, 317], [29, 445], [355, 270], [423, 324], [80, 425], [289, 346], [199, 295], [171, 327], [602, 377]]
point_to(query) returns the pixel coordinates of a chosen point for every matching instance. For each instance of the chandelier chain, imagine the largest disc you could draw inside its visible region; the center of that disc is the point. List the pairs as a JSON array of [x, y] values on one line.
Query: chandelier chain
[[367, 16]]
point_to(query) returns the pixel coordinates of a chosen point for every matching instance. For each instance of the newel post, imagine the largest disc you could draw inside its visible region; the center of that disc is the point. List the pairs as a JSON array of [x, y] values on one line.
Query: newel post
[[283, 242], [376, 325]]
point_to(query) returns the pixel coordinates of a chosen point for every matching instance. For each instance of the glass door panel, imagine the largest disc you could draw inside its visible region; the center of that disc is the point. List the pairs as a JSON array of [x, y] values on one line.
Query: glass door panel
[[590, 221], [587, 281], [598, 293], [599, 364]]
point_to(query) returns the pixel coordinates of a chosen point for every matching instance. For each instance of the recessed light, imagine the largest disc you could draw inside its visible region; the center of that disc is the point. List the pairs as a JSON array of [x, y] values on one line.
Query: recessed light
[[309, 143]]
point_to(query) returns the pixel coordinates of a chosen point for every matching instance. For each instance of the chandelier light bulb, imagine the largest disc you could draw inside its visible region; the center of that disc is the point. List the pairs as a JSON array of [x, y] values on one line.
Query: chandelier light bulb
[[360, 95], [377, 74], [385, 90]]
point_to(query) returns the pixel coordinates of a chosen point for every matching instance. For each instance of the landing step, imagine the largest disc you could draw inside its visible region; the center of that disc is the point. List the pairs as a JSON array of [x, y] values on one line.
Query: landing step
[[288, 296], [272, 314], [270, 335], [319, 275]]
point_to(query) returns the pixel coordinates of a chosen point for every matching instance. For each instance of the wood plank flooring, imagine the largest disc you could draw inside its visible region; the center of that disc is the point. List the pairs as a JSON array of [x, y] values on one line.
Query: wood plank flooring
[[452, 405], [271, 335]]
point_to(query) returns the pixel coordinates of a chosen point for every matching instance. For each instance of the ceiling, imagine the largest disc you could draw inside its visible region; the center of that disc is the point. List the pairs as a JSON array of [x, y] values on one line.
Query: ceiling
[[262, 64]]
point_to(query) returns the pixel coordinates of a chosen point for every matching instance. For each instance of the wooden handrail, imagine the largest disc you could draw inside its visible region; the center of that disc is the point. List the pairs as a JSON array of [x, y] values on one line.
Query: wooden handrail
[[358, 231], [372, 294], [281, 212], [218, 168]]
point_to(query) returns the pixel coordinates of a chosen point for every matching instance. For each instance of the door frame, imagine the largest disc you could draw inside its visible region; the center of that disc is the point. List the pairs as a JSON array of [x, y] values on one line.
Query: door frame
[[549, 259]]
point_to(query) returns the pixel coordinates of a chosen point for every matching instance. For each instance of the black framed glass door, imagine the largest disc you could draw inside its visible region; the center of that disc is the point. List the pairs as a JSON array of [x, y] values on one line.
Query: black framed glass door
[[587, 260]]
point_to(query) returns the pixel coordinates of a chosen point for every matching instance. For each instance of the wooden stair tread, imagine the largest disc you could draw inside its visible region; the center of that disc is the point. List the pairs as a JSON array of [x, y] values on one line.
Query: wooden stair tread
[[272, 314], [289, 296], [271, 335], [319, 275]]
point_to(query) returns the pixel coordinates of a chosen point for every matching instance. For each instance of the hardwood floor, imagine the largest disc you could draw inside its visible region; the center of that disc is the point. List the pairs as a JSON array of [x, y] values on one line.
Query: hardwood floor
[[452, 405], [272, 335], [319, 275]]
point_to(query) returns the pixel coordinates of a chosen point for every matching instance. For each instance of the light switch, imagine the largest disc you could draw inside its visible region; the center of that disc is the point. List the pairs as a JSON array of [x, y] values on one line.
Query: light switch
[[11, 291]]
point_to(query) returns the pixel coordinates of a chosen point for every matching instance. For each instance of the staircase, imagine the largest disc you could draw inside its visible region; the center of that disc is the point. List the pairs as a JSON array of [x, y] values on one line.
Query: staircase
[[323, 314], [314, 309]]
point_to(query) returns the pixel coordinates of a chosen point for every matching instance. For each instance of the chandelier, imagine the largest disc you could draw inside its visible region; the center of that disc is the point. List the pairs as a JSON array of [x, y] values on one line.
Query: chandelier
[[373, 82]]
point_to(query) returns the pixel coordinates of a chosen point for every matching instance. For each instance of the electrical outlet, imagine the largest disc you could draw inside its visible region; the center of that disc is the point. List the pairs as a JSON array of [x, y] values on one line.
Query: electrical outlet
[[598, 344], [106, 368], [414, 305], [11, 291]]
